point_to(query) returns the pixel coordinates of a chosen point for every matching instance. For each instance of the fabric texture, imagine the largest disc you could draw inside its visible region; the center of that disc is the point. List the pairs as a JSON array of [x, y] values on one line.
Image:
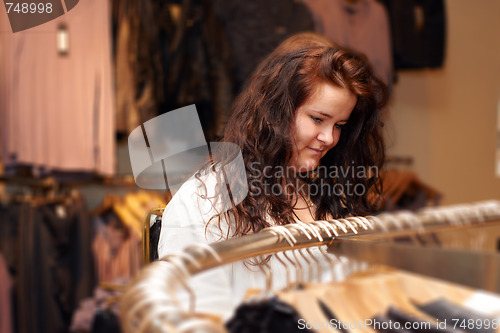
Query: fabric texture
[[48, 253], [154, 238], [97, 314], [198, 68], [105, 321], [418, 29], [384, 325], [117, 249], [445, 310], [485, 303], [255, 28], [5, 298], [57, 110], [416, 323], [137, 61], [272, 315]]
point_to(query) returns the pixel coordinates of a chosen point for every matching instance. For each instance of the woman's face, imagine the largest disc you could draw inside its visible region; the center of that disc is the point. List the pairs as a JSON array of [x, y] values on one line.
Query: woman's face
[[318, 125]]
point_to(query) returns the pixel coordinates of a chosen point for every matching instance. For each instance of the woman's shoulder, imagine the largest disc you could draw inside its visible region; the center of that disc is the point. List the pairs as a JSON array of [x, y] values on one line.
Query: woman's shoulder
[[196, 202], [192, 215], [201, 184]]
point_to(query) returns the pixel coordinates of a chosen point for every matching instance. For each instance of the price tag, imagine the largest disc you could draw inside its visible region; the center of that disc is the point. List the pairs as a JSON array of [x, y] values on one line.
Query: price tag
[[62, 39]]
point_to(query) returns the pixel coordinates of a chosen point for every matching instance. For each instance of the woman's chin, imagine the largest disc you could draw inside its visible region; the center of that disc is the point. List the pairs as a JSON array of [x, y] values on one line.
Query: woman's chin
[[306, 166]]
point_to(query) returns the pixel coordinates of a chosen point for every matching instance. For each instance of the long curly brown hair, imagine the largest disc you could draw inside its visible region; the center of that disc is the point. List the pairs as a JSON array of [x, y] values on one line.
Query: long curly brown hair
[[262, 121]]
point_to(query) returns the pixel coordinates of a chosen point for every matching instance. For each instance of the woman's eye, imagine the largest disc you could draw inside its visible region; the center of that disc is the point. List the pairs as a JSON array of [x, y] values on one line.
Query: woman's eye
[[339, 125], [316, 119]]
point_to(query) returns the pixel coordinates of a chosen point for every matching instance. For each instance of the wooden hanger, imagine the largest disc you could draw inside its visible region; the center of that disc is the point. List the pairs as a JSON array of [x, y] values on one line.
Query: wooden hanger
[[308, 307], [430, 261], [421, 289], [116, 205], [396, 183]]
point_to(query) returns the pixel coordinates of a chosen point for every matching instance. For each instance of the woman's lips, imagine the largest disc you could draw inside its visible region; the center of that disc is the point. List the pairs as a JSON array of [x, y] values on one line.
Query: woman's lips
[[315, 151]]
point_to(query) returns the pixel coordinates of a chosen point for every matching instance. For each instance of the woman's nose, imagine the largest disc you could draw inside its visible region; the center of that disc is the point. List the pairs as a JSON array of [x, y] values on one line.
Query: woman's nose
[[329, 136]]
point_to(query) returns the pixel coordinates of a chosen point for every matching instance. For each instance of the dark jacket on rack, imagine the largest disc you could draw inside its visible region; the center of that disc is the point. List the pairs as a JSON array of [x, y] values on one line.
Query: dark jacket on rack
[[47, 248], [418, 29], [199, 67], [255, 28], [137, 61], [5, 298]]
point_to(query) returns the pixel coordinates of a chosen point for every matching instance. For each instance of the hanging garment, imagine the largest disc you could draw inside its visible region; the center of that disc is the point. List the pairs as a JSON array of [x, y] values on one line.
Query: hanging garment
[[127, 113], [199, 67], [416, 323], [15, 224], [362, 26], [47, 249], [485, 303], [269, 316], [105, 321], [10, 220], [116, 249], [83, 316], [5, 298], [255, 28], [61, 268], [383, 324], [137, 61], [313, 311], [97, 314], [418, 29], [57, 108], [331, 316], [459, 316], [154, 237]]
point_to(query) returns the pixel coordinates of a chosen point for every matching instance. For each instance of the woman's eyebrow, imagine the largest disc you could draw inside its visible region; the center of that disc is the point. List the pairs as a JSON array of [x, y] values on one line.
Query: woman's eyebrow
[[329, 116], [323, 114]]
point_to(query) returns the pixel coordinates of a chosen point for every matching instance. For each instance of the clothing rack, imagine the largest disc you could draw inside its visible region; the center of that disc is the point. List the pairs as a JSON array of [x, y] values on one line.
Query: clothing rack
[[147, 304], [43, 183], [51, 182]]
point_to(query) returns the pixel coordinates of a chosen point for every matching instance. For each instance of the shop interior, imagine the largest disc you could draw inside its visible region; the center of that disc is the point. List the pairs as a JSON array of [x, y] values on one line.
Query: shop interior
[[78, 234]]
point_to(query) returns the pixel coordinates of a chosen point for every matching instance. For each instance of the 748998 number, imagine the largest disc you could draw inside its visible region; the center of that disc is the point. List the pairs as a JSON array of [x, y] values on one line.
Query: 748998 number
[[25, 7], [470, 324]]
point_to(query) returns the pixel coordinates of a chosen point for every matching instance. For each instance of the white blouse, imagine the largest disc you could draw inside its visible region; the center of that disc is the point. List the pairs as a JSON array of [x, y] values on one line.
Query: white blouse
[[218, 291]]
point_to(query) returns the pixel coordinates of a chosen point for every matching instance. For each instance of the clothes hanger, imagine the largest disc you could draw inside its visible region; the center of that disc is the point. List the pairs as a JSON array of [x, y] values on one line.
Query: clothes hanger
[[336, 297], [422, 289], [360, 298], [306, 303], [308, 307], [137, 204], [298, 268], [363, 305], [319, 269], [302, 301], [121, 209], [116, 204], [425, 289], [142, 202], [190, 321], [287, 269], [284, 234], [200, 325], [237, 249], [434, 262]]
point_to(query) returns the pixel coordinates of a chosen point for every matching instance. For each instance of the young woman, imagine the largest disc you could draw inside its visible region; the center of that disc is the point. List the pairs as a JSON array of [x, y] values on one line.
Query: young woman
[[309, 130]]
